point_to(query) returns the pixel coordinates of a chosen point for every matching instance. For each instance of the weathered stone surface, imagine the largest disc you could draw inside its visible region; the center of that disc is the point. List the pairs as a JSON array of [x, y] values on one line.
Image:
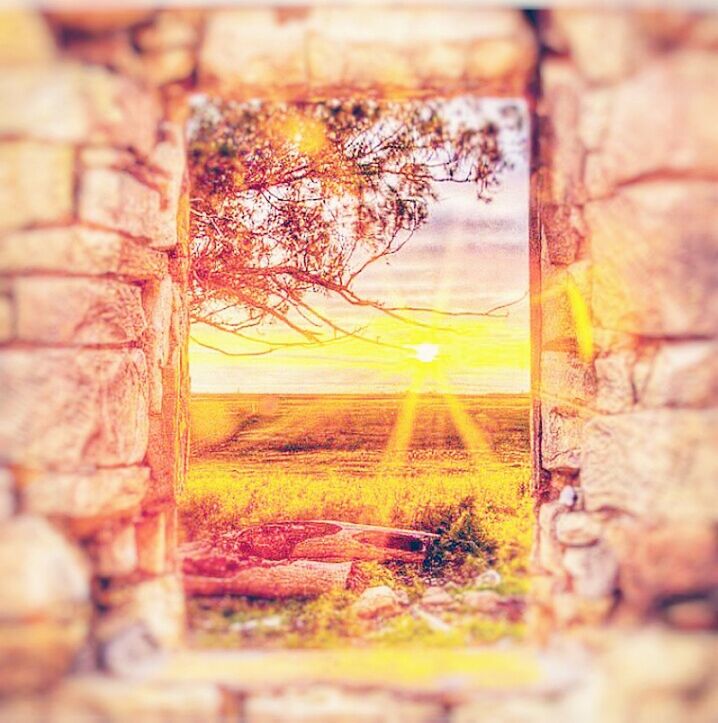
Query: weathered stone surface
[[170, 157], [155, 606], [330, 703], [681, 374], [36, 182], [70, 407], [7, 494], [118, 201], [583, 33], [377, 602], [93, 697], [40, 569], [615, 385], [79, 250], [657, 463], [25, 38], [560, 437], [99, 22], [678, 135], [151, 533], [98, 494], [665, 563], [565, 309], [564, 377], [401, 48], [77, 104], [482, 601], [655, 270], [116, 552], [549, 552], [593, 570], [158, 299], [249, 47], [77, 311], [577, 529], [7, 323]]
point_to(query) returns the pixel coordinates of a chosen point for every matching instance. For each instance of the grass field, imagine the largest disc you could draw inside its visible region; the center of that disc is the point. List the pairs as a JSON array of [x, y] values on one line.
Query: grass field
[[258, 459]]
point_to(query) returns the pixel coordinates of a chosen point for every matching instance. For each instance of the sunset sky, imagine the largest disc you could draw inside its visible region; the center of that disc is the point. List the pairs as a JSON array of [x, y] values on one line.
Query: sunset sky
[[470, 256]]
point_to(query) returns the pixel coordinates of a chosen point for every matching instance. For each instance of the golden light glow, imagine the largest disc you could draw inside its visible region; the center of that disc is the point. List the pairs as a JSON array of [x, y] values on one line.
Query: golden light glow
[[426, 353]]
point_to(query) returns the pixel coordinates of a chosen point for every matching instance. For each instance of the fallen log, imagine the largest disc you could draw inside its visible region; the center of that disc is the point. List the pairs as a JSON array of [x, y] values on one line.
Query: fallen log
[[268, 579], [326, 540], [292, 559]]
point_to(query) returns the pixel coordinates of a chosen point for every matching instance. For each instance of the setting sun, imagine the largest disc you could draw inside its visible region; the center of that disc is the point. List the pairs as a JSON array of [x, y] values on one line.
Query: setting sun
[[426, 353]]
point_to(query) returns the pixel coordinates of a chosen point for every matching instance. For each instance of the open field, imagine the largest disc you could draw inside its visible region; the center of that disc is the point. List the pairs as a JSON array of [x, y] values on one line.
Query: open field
[[259, 459]]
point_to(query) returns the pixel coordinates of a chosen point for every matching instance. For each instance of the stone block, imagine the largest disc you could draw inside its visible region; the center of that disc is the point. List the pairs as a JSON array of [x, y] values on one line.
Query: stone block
[[565, 378], [583, 32], [116, 552], [158, 299], [91, 495], [25, 38], [549, 551], [678, 136], [151, 533], [655, 271], [7, 322], [95, 696], [78, 104], [593, 570], [77, 311], [117, 201], [615, 382], [66, 408], [79, 250], [36, 183], [560, 437], [658, 464], [681, 374], [250, 47], [565, 309], [7, 494], [665, 563], [577, 529], [41, 570], [154, 608]]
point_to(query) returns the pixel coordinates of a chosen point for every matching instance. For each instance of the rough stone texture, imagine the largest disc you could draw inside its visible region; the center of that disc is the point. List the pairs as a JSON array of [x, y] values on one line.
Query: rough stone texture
[[657, 572], [151, 533], [577, 529], [154, 607], [77, 104], [79, 250], [118, 201], [158, 300], [25, 39], [681, 374], [655, 270], [36, 181], [7, 323], [659, 464], [616, 392], [566, 378], [676, 137], [549, 552], [560, 437], [116, 552], [367, 46], [377, 602], [77, 495], [65, 408], [7, 494], [77, 311], [565, 304], [330, 703], [40, 569], [592, 569]]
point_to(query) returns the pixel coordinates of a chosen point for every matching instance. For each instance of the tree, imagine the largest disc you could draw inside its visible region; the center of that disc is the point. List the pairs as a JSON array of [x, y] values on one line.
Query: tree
[[289, 198]]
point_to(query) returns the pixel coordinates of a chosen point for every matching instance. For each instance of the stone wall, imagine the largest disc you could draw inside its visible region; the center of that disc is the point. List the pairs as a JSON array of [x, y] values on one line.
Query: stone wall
[[626, 192], [93, 353]]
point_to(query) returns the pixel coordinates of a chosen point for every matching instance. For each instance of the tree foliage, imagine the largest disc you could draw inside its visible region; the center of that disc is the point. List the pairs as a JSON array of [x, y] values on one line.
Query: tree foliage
[[289, 198]]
